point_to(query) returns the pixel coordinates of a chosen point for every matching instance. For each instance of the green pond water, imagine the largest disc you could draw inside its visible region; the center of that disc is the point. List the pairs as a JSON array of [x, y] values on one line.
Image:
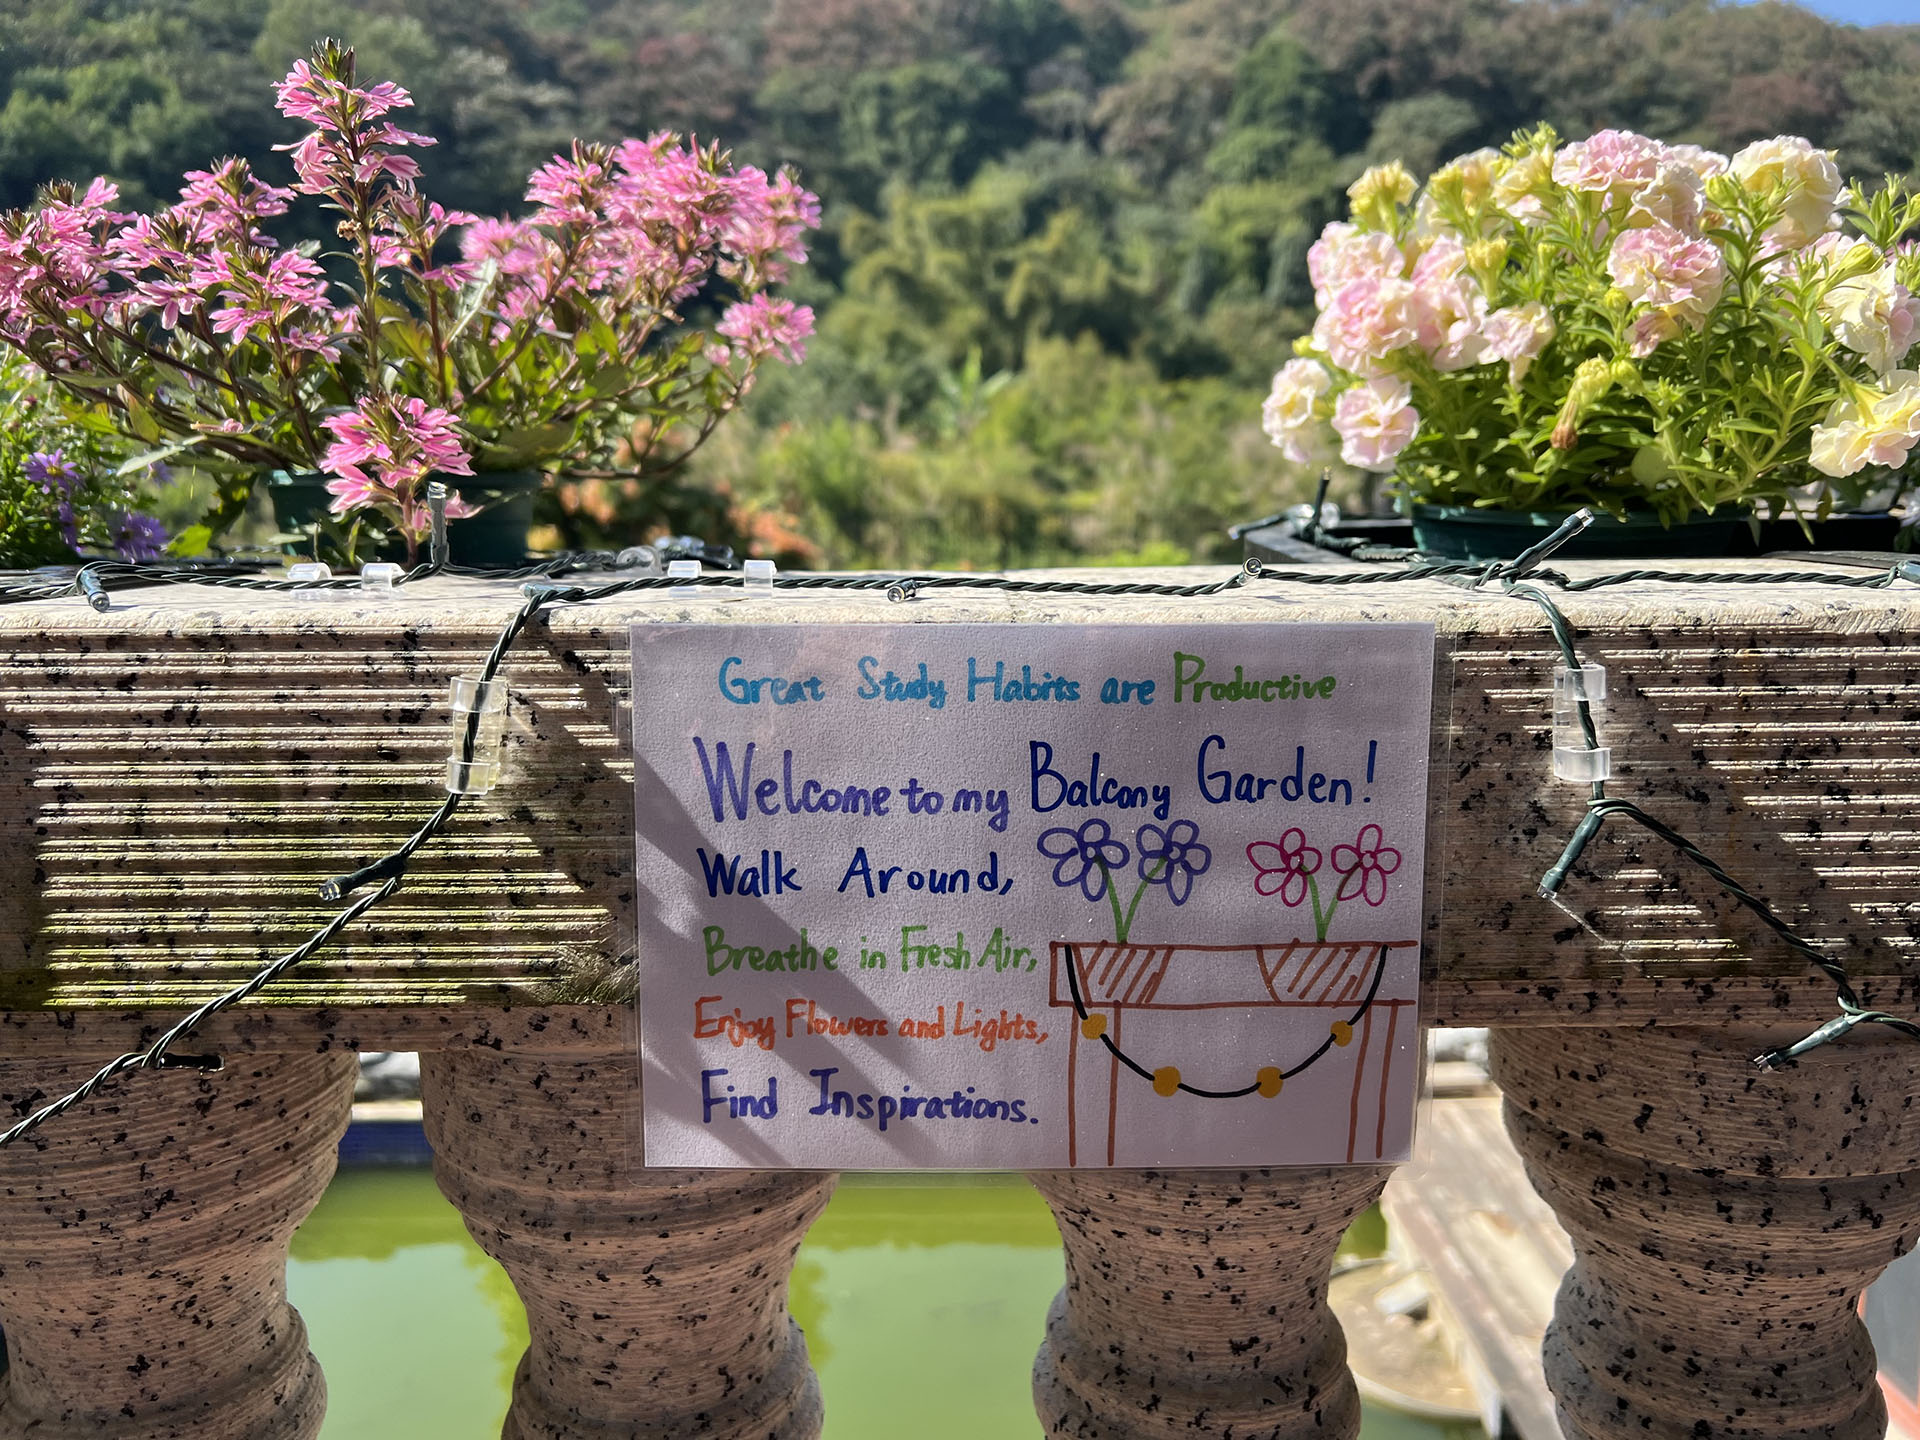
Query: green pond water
[[923, 1300]]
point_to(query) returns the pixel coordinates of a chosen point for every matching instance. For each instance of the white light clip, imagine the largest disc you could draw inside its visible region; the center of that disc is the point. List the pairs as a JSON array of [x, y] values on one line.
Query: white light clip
[[1574, 757], [480, 709]]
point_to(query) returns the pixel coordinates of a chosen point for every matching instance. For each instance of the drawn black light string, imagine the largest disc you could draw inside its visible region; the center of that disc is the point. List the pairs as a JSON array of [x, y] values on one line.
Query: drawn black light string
[[1266, 1083]]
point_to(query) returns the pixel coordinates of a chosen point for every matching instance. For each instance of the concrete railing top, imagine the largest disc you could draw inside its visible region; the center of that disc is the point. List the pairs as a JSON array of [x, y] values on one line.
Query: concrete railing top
[[183, 770]]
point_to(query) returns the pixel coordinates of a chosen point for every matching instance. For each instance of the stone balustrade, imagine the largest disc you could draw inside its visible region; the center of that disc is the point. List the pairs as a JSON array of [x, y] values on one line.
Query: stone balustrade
[[181, 771]]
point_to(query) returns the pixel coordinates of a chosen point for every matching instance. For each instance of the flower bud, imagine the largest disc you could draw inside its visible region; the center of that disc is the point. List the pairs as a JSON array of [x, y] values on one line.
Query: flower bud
[[1590, 383], [1464, 184], [1650, 465], [1724, 192], [1859, 258], [1484, 257], [1379, 191]]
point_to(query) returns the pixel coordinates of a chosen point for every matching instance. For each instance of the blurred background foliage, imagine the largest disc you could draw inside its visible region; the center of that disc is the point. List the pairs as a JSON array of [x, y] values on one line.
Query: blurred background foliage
[[1064, 240]]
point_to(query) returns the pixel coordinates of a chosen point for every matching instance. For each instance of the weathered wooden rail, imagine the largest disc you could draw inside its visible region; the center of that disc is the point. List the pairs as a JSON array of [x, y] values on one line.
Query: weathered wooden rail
[[180, 773]]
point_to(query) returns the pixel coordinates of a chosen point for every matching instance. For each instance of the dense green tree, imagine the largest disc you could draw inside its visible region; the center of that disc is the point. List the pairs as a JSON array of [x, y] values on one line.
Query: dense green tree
[[1064, 242]]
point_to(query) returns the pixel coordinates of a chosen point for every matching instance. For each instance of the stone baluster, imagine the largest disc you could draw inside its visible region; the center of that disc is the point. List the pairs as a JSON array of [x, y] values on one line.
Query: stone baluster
[[656, 1299], [143, 1249], [1724, 1221], [1196, 1304]]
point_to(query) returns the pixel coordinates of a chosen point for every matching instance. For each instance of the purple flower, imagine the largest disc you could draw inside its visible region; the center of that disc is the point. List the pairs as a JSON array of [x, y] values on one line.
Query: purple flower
[[139, 537], [1084, 856], [1173, 857], [52, 472]]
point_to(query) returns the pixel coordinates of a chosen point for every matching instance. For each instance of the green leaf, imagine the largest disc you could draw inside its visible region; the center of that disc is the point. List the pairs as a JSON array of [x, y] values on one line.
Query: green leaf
[[191, 541], [231, 495], [610, 380], [87, 381], [147, 459], [139, 418], [525, 447]]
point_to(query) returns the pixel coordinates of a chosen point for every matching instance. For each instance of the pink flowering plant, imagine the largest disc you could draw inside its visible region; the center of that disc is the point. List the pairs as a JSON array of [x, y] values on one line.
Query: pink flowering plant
[[1614, 322], [432, 342]]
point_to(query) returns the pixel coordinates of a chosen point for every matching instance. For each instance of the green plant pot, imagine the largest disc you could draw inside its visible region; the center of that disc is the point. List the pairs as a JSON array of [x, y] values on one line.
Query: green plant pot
[[298, 497], [496, 538], [1462, 532]]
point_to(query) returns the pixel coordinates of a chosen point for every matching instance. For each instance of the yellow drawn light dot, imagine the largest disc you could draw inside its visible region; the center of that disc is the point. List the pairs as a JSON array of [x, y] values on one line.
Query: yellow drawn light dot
[[1094, 1026], [1166, 1080], [1269, 1081], [1342, 1032]]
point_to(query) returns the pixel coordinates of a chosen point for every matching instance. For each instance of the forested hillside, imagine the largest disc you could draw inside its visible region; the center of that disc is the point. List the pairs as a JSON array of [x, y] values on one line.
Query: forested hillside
[[1064, 240]]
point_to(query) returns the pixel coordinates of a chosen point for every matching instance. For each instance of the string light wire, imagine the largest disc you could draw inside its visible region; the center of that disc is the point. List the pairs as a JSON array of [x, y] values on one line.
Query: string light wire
[[1525, 577]]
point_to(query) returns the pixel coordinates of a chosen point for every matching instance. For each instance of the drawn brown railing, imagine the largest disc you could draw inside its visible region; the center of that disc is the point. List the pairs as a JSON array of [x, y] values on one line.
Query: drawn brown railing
[[1336, 1014]]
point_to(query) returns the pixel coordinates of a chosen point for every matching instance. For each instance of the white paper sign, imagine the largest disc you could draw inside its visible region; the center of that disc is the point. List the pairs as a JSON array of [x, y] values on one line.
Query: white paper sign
[[1028, 897]]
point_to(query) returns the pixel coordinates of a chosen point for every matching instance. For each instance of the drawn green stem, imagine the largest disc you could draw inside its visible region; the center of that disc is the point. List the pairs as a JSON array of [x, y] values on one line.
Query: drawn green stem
[[1321, 920], [1123, 924]]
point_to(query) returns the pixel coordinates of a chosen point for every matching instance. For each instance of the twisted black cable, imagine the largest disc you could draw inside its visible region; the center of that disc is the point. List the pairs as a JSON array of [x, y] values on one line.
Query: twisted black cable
[[388, 871], [95, 579]]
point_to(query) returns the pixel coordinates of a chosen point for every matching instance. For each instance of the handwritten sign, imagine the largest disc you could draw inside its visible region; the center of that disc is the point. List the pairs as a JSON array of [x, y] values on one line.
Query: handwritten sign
[[1026, 897]]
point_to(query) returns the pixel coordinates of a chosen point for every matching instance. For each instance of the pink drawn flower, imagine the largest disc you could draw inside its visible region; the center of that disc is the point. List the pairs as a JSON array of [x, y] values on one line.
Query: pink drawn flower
[[1363, 866], [1282, 869]]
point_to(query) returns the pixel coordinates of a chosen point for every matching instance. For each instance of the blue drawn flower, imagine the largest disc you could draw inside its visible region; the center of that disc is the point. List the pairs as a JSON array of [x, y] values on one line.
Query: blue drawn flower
[[1084, 856], [1173, 857]]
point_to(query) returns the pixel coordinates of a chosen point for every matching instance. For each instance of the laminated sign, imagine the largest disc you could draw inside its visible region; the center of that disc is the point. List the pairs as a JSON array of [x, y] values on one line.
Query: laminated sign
[[1030, 897]]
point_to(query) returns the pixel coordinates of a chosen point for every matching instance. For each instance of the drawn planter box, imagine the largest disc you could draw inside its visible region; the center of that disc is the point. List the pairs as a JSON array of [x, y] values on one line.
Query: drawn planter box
[[1146, 1051]]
